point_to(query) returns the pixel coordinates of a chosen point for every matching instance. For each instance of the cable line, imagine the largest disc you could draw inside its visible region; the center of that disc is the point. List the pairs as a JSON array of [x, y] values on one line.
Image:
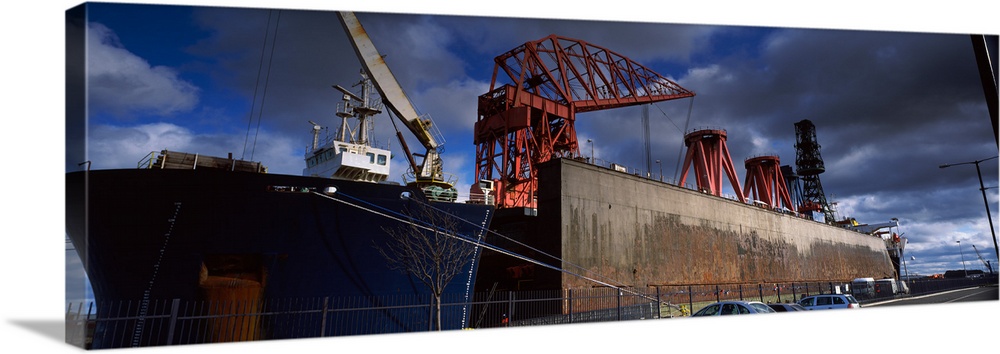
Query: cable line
[[462, 238]]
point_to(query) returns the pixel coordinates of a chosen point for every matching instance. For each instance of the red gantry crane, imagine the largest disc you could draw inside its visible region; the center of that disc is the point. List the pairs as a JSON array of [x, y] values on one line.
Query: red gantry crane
[[708, 156], [532, 120], [765, 182]]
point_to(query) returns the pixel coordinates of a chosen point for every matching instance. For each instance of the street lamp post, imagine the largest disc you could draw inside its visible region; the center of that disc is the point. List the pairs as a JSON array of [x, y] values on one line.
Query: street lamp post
[[902, 249], [963, 258], [982, 189], [905, 271], [593, 160], [661, 169]]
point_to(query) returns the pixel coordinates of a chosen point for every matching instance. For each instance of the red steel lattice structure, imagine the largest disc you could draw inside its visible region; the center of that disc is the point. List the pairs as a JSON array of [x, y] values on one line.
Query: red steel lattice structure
[[708, 154], [532, 120], [765, 182]]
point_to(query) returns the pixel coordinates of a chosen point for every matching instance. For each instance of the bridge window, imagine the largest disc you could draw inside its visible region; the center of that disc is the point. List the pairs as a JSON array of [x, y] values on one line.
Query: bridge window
[[381, 159]]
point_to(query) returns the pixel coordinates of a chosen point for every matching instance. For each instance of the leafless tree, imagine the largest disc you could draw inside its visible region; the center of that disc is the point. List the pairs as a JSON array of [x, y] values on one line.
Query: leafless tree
[[427, 248]]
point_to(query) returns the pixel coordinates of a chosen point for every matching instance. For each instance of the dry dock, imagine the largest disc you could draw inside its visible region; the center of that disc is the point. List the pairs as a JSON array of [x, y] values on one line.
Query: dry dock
[[640, 232]]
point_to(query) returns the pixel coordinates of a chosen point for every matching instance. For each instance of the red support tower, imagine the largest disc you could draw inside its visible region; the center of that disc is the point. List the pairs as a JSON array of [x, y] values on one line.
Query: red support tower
[[765, 182], [708, 153], [532, 120]]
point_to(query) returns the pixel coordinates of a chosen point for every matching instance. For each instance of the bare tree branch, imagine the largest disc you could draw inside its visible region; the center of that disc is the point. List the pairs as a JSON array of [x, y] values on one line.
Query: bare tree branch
[[427, 249]]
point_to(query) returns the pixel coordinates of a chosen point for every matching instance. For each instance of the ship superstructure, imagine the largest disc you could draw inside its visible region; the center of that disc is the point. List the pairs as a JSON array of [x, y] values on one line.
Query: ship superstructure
[[350, 154]]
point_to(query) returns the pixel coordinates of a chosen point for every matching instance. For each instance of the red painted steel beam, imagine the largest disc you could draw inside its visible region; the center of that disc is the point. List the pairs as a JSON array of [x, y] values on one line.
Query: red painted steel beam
[[708, 154], [532, 120], [766, 183], [584, 75]]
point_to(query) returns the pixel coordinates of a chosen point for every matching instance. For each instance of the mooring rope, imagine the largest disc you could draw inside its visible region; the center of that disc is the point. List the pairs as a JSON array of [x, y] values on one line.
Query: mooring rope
[[607, 279]]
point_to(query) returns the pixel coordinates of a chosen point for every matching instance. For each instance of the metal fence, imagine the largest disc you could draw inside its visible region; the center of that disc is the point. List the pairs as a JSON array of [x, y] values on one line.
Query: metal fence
[[926, 286], [173, 322]]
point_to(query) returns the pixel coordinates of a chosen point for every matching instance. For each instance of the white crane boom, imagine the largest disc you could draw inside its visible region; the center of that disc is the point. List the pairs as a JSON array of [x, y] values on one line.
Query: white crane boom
[[394, 98]]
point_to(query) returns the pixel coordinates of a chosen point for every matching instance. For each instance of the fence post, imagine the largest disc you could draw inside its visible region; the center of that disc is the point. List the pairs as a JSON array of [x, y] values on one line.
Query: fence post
[[717, 299], [510, 308], [90, 311], [690, 300], [570, 296], [322, 326], [760, 291], [741, 291], [430, 313], [174, 305], [793, 292], [777, 290], [658, 299], [619, 303]]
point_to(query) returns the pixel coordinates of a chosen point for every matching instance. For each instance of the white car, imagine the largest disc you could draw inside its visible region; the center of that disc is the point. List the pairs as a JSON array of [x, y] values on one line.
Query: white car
[[829, 301]]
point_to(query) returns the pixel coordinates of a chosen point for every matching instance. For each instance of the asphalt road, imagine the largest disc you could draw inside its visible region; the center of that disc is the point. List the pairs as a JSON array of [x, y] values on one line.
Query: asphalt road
[[988, 293]]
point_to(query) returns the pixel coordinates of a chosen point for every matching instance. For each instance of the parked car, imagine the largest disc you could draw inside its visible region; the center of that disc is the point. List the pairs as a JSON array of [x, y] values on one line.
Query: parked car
[[790, 307], [829, 301], [723, 308], [863, 287]]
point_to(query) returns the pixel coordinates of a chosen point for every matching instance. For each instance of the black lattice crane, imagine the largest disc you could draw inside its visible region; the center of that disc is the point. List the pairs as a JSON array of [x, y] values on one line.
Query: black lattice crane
[[985, 262], [808, 165]]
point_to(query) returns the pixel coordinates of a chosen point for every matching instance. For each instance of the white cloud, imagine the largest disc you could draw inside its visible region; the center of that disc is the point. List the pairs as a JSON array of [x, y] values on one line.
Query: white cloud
[[281, 154], [119, 82], [859, 155], [123, 147], [77, 285], [700, 76], [453, 106]]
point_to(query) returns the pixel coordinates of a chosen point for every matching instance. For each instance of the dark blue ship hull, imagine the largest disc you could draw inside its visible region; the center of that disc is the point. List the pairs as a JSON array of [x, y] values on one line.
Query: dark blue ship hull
[[149, 235]]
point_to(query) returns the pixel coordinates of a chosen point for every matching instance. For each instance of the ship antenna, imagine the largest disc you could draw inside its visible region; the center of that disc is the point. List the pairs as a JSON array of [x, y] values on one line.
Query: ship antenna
[[316, 129]]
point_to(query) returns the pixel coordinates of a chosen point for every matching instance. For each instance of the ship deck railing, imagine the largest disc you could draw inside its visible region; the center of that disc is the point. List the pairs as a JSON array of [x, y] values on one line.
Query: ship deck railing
[[165, 159]]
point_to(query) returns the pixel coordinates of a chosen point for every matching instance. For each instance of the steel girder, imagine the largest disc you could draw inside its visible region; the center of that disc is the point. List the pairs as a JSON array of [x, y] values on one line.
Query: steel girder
[[532, 120], [708, 154]]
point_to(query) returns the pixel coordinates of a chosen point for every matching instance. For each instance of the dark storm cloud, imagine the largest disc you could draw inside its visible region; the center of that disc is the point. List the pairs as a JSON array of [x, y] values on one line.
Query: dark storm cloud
[[880, 101], [290, 71], [644, 42], [888, 107]]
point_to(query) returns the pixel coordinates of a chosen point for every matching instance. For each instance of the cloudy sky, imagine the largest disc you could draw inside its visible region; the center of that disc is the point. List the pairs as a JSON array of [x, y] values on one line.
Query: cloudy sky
[[889, 105]]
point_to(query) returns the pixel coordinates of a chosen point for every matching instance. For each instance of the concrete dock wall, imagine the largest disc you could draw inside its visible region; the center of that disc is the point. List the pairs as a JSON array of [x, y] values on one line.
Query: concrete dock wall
[[640, 232]]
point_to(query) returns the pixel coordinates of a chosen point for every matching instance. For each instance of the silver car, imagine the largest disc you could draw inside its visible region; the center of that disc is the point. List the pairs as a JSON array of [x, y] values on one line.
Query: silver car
[[723, 308], [829, 301]]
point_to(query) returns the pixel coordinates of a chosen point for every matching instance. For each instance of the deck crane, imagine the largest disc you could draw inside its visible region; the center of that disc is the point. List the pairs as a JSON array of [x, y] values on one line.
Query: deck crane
[[532, 119], [428, 175], [985, 262]]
